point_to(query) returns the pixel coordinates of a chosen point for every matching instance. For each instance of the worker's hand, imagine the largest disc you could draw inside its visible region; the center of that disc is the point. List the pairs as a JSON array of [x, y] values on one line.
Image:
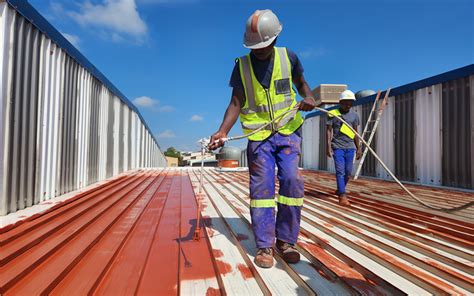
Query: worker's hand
[[307, 104], [216, 140], [358, 154], [329, 152]]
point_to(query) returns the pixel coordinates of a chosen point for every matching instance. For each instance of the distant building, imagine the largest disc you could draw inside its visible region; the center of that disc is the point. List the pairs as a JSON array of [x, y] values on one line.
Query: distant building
[[207, 162], [172, 161], [191, 158]]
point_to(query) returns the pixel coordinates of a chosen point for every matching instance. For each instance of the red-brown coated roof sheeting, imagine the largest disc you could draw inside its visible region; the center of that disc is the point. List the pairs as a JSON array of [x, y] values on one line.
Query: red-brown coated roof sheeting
[[134, 235]]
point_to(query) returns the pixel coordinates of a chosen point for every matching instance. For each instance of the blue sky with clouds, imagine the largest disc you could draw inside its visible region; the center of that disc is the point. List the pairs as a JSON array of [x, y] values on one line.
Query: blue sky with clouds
[[173, 58]]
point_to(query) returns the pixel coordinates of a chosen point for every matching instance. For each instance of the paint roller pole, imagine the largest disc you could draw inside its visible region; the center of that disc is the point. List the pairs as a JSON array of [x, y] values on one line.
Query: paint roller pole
[[197, 231]]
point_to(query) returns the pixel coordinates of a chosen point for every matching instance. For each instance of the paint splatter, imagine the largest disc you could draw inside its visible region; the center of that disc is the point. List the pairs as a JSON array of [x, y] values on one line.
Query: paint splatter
[[212, 291], [244, 271], [217, 253], [224, 268]]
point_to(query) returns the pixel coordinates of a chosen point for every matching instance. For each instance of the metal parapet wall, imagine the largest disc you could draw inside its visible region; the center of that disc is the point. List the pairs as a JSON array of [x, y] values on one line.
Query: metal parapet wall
[[63, 124], [425, 133]]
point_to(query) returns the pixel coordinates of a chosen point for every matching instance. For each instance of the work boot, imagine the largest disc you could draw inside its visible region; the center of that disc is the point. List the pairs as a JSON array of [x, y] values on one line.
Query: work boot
[[288, 251], [264, 258], [344, 201]]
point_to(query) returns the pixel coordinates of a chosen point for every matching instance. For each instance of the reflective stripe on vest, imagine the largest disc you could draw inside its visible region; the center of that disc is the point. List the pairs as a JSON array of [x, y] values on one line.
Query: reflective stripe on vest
[[261, 105], [290, 201], [264, 108], [344, 128], [254, 126], [262, 203]]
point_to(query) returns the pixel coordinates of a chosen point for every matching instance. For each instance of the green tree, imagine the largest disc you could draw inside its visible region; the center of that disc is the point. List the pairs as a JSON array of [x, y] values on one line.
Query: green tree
[[172, 152]]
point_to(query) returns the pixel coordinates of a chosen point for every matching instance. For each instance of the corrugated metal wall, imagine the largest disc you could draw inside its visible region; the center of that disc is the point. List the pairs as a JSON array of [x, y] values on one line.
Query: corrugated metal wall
[[61, 128], [323, 159], [310, 143], [368, 168], [457, 133], [385, 140], [405, 136], [426, 134]]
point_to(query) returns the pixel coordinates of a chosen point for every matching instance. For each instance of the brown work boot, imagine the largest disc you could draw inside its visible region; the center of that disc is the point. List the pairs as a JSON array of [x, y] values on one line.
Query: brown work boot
[[344, 201], [288, 251], [264, 258]]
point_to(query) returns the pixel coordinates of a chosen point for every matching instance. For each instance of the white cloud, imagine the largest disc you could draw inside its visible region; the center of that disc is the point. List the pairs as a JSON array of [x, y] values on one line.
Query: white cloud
[[166, 1], [165, 108], [145, 102], [75, 40], [117, 17], [55, 11], [154, 105], [167, 134], [196, 118], [313, 53]]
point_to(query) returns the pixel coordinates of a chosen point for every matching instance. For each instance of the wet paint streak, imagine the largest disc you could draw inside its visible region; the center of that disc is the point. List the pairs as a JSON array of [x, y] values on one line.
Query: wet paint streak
[[195, 256], [399, 239], [440, 267], [245, 271], [213, 292], [441, 286], [223, 267], [351, 277], [217, 253]]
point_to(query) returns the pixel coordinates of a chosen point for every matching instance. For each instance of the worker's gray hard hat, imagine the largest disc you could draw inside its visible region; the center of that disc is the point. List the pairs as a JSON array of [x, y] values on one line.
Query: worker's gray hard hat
[[261, 29]]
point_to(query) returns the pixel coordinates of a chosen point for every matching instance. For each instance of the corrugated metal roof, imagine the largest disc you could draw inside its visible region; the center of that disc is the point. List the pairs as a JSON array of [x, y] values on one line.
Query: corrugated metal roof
[[134, 235]]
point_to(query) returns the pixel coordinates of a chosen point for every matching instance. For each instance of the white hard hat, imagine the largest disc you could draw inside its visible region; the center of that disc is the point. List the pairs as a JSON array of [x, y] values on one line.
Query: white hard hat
[[347, 95], [261, 29]]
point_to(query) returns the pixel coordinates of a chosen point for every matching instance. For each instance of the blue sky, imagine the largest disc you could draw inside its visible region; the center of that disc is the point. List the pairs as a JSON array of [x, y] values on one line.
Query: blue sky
[[174, 57]]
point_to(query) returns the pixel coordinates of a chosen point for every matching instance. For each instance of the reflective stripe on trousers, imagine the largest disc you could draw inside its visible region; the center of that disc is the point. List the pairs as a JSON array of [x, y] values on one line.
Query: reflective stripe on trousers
[[284, 152]]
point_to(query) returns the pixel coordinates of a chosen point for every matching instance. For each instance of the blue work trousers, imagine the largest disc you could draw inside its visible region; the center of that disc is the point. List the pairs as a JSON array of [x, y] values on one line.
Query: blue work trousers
[[343, 159], [284, 152]]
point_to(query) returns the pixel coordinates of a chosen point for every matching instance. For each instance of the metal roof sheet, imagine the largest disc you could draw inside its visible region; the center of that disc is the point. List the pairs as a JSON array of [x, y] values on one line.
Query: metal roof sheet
[[134, 235]]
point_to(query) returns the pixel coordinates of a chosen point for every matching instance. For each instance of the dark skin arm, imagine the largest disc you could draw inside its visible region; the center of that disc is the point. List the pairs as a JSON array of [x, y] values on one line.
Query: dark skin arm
[[357, 144], [308, 103], [329, 140], [230, 116]]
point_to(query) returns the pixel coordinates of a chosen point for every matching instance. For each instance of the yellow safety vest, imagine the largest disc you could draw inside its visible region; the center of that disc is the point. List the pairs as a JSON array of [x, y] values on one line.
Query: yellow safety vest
[[263, 105], [344, 128]]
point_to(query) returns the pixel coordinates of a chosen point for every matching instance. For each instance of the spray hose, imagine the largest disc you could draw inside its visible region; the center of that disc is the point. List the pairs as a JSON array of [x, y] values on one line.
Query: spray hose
[[295, 110]]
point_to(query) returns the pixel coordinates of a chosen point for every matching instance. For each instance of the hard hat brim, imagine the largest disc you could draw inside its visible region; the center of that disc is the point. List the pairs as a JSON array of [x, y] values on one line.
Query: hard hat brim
[[259, 45], [347, 99]]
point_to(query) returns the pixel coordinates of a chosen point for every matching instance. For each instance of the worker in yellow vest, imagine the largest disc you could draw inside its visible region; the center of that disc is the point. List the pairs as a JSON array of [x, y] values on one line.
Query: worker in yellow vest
[[262, 90], [342, 144]]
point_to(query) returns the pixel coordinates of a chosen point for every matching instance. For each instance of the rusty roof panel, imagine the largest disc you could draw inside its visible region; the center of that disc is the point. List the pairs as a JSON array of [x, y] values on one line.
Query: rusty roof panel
[[134, 235]]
